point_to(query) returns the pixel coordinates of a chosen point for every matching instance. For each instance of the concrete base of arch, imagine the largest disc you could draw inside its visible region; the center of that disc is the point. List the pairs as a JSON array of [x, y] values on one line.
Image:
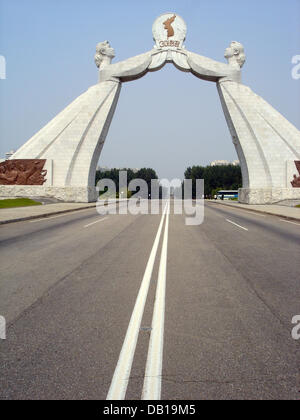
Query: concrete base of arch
[[267, 195], [90, 195], [66, 194]]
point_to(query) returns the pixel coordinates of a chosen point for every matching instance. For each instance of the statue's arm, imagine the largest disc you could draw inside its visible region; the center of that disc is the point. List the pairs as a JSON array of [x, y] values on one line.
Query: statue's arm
[[206, 68], [129, 69]]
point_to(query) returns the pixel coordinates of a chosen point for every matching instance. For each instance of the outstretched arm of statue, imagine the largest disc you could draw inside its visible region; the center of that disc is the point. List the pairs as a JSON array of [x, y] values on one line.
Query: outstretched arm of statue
[[208, 69], [127, 70], [124, 71]]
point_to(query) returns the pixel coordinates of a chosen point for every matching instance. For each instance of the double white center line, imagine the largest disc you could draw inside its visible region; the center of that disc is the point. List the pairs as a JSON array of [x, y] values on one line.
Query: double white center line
[[152, 382]]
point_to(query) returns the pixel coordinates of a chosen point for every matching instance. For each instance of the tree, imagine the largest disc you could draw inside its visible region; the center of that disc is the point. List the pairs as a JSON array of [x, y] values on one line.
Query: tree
[[227, 177], [147, 174]]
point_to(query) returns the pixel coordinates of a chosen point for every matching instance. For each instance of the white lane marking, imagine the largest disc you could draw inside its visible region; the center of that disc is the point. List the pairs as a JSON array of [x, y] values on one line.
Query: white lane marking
[[253, 213], [97, 221], [121, 375], [287, 221], [227, 220], [153, 372]]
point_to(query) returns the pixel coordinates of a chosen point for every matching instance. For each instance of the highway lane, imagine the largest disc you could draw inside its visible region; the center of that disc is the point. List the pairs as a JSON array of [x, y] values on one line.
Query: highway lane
[[268, 256], [229, 326], [36, 254], [227, 292]]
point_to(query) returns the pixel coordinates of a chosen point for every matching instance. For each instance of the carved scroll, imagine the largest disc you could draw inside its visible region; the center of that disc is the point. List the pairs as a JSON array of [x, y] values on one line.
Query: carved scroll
[[296, 181], [23, 172]]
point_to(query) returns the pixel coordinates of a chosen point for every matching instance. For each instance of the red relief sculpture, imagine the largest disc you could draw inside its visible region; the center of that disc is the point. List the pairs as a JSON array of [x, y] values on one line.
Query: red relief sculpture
[[23, 172], [168, 25], [296, 181]]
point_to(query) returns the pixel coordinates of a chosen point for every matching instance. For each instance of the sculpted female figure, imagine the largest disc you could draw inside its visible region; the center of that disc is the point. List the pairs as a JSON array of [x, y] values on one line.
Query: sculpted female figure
[[104, 54], [123, 71], [257, 129]]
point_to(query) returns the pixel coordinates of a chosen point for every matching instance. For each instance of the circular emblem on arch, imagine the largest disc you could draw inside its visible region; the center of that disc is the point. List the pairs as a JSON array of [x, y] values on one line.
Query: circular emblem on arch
[[169, 31]]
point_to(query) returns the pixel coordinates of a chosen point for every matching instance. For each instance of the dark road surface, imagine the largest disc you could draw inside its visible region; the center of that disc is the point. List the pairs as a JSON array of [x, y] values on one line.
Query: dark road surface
[[222, 324]]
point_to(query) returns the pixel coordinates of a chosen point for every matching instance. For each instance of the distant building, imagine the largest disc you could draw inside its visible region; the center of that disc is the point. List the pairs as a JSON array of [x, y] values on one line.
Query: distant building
[[219, 162], [106, 168], [224, 163], [236, 163], [8, 155], [103, 168]]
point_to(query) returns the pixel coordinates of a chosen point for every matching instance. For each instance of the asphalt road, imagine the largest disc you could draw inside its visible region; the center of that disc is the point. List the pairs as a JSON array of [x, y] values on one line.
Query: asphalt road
[[143, 306]]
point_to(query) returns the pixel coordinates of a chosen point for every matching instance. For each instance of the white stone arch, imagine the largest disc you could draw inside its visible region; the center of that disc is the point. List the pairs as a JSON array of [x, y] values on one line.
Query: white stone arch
[[266, 143]]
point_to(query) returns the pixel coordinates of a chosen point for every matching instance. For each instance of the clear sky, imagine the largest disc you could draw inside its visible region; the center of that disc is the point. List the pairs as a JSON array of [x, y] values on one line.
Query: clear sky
[[167, 120]]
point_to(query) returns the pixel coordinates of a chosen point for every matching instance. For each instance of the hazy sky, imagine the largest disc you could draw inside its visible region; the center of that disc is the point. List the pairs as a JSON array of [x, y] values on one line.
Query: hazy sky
[[167, 120]]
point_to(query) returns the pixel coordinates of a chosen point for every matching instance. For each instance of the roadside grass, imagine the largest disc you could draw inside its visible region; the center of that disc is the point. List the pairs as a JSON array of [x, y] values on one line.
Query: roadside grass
[[18, 202], [298, 206]]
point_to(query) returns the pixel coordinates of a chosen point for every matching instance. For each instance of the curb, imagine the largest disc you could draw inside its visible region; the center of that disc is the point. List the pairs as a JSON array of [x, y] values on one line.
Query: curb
[[45, 215], [42, 216], [260, 211]]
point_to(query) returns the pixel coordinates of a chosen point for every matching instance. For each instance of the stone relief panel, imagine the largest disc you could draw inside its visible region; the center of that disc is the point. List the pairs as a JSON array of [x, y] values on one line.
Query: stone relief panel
[[296, 181], [23, 172]]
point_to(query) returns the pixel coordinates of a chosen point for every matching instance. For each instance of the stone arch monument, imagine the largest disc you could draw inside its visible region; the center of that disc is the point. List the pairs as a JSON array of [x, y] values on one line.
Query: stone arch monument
[[60, 160]]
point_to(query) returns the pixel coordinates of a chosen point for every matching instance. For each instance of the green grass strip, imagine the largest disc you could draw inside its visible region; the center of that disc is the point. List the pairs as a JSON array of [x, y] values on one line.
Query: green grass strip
[[18, 202]]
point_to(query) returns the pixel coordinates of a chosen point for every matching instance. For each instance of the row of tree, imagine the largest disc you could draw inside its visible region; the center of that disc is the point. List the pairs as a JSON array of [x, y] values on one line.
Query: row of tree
[[147, 174], [223, 177]]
